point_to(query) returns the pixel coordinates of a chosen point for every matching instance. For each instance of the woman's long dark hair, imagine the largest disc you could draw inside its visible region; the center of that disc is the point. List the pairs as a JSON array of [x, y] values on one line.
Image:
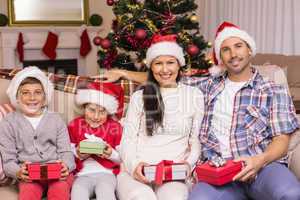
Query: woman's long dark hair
[[153, 103]]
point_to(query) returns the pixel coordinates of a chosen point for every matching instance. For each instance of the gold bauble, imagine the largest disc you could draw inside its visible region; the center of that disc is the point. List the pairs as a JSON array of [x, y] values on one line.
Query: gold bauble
[[209, 44], [194, 18]]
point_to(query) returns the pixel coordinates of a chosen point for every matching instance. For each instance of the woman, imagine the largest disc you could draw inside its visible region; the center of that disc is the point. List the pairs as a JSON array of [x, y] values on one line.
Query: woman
[[162, 123]]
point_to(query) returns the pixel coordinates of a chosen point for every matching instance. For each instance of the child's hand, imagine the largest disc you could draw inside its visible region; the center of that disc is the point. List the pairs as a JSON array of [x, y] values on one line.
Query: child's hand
[[64, 170], [106, 152], [82, 156], [22, 174]]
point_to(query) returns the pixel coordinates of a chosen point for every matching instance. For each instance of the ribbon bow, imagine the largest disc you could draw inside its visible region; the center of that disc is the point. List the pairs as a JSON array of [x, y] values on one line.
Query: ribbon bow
[[163, 170], [93, 138]]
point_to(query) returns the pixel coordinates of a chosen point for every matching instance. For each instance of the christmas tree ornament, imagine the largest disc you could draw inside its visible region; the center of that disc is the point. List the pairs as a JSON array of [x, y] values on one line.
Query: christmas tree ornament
[[96, 20], [3, 20], [192, 49], [194, 18], [110, 2], [140, 34], [105, 43], [97, 40]]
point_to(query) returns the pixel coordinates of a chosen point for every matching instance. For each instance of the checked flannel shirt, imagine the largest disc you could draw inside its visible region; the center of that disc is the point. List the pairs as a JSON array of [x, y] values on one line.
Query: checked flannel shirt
[[262, 110]]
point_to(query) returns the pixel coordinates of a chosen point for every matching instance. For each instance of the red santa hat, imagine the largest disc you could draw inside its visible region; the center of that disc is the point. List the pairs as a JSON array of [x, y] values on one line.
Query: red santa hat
[[34, 72], [107, 95], [227, 30], [164, 45]]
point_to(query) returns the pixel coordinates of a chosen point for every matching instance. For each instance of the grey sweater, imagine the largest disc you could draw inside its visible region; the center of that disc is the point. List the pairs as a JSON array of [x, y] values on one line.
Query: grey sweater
[[20, 142]]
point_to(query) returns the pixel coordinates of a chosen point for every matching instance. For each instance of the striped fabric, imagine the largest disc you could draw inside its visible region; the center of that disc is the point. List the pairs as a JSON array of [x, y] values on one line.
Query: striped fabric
[[70, 83]]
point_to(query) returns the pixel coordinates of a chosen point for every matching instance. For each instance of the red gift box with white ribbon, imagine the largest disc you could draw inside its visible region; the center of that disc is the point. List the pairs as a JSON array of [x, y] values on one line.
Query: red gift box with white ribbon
[[166, 170], [218, 175], [45, 171]]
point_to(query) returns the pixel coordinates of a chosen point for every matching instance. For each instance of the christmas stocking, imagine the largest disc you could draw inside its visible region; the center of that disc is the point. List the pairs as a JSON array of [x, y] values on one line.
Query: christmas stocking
[[85, 46], [20, 47], [49, 48]]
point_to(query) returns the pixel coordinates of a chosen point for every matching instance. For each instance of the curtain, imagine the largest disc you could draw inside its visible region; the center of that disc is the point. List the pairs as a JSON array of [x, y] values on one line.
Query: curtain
[[274, 24]]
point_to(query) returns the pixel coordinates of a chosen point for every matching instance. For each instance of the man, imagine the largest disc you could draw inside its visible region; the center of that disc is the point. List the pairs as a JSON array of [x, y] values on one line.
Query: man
[[247, 119]]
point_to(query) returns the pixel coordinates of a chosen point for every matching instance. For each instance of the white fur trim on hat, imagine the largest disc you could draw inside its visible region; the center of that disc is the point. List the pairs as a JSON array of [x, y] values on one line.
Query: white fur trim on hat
[[233, 32], [107, 101], [166, 49], [34, 72]]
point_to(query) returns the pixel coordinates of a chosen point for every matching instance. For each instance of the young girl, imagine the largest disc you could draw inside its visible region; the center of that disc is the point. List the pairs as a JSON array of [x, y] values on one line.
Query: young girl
[[32, 134], [96, 173], [162, 123]]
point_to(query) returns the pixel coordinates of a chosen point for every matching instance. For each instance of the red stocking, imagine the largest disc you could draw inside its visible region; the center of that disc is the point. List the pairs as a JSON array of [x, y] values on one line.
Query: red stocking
[[85, 46], [49, 48], [20, 47]]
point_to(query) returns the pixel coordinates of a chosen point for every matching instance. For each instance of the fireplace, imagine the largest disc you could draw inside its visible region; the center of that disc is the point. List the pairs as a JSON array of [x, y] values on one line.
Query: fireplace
[[63, 66], [67, 49]]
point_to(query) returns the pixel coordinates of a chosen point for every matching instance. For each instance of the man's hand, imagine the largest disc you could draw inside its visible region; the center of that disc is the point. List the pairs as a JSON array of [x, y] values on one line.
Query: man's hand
[[22, 174], [138, 173], [64, 170], [253, 165]]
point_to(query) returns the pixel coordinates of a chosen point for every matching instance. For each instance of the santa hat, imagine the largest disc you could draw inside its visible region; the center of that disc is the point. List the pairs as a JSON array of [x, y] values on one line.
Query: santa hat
[[107, 95], [33, 72], [164, 45], [227, 30]]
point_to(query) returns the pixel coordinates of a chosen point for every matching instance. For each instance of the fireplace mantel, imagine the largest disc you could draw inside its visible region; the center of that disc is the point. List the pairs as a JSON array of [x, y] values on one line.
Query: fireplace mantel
[[35, 37]]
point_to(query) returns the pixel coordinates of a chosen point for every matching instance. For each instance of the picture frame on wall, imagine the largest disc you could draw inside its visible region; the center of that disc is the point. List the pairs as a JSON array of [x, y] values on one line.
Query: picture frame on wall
[[47, 12]]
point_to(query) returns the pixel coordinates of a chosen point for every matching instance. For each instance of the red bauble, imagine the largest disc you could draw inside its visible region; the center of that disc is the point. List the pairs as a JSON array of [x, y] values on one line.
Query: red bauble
[[97, 40], [140, 34], [110, 2], [192, 50], [105, 43]]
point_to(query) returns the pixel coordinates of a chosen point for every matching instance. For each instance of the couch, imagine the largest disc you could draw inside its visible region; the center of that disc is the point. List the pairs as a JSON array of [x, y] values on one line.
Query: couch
[[63, 102]]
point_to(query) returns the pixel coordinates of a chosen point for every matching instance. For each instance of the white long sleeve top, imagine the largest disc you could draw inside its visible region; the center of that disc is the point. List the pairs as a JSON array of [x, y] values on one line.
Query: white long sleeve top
[[177, 140]]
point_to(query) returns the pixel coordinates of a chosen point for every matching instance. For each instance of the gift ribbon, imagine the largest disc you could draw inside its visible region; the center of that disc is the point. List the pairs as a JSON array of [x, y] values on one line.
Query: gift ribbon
[[44, 172], [163, 170]]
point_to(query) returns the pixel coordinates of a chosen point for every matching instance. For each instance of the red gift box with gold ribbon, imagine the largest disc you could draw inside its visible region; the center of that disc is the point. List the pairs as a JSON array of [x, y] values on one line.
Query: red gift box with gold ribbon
[[166, 170], [218, 175], [46, 171]]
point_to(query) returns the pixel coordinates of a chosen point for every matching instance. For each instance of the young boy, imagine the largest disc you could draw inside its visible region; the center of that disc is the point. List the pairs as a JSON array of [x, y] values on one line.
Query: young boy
[[96, 173], [32, 134]]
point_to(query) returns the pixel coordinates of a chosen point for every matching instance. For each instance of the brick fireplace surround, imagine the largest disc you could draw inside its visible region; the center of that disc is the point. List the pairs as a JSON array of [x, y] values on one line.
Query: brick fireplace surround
[[35, 37]]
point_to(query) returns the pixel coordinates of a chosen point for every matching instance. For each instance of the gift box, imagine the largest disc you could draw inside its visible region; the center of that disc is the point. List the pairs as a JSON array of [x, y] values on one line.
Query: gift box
[[165, 171], [37, 171], [91, 147], [218, 175]]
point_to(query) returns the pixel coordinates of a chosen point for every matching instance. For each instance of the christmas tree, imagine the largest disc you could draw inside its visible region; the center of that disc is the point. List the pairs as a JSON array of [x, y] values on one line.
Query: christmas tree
[[135, 23]]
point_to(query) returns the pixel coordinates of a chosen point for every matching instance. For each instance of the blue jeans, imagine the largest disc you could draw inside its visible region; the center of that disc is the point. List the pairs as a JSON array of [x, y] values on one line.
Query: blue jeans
[[273, 182]]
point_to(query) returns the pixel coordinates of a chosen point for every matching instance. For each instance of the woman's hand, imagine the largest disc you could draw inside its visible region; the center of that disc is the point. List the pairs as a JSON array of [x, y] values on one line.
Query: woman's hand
[[110, 75], [138, 173], [81, 156], [22, 174]]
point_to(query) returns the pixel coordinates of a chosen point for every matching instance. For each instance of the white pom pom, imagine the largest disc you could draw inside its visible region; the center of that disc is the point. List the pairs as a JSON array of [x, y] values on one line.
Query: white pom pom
[[216, 70]]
